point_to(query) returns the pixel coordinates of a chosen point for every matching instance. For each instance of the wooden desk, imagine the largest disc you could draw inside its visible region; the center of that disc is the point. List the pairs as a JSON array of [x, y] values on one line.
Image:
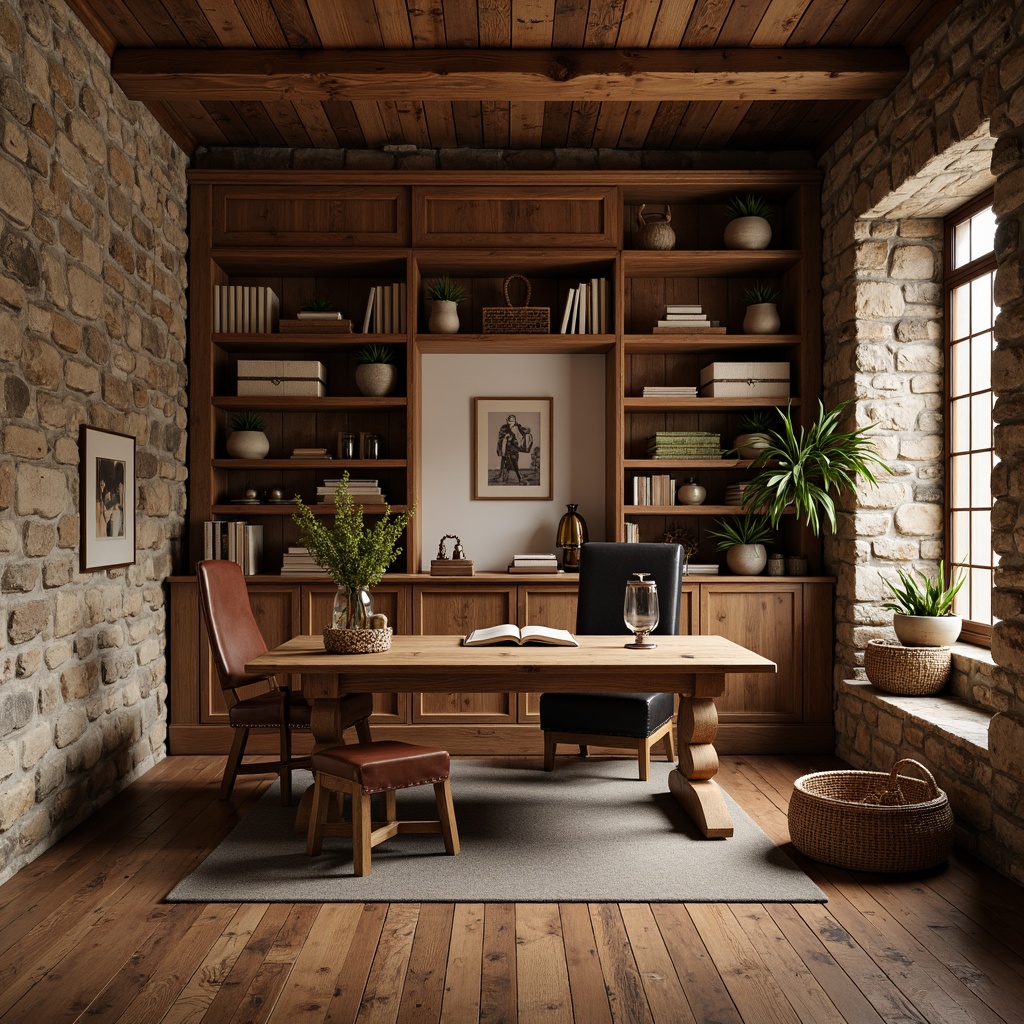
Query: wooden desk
[[695, 667]]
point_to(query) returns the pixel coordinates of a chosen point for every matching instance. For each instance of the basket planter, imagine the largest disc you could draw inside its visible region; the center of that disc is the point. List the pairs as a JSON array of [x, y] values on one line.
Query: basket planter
[[907, 671], [357, 641], [872, 821]]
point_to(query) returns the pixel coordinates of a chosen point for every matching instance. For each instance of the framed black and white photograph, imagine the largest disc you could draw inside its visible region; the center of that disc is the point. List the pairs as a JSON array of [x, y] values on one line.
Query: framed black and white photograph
[[512, 449], [107, 498]]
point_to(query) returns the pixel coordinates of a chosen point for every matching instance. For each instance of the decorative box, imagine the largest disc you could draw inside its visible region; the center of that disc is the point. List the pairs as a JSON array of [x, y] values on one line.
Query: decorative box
[[745, 380], [282, 377]]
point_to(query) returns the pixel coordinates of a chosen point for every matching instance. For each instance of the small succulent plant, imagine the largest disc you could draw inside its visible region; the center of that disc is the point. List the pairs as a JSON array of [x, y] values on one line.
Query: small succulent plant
[[750, 528], [748, 206], [445, 289], [760, 292], [376, 354], [248, 421], [318, 305]]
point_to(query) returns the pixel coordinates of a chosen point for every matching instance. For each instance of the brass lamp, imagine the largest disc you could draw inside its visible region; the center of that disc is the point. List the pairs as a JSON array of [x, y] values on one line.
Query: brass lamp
[[571, 536]]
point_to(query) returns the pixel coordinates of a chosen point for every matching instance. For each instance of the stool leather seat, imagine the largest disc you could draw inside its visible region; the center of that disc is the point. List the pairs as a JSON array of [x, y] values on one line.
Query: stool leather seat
[[606, 714], [384, 764]]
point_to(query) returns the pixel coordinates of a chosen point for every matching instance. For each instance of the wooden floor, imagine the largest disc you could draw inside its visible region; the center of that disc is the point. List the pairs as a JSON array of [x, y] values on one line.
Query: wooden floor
[[84, 936]]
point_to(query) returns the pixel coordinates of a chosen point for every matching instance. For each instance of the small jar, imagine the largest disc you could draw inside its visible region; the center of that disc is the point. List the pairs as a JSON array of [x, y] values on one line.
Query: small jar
[[371, 447], [796, 565], [776, 565], [691, 493], [346, 446]]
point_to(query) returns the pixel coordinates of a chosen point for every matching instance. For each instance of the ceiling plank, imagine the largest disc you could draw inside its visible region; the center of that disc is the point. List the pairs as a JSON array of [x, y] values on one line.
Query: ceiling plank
[[637, 125], [525, 124], [339, 25], [495, 117], [549, 76], [724, 125], [779, 22], [319, 124], [610, 119], [671, 24], [468, 124], [229, 26], [532, 24], [582, 124], [570, 26], [441, 125], [193, 23], [289, 124], [294, 20], [494, 23], [603, 23], [371, 123], [460, 25], [638, 19], [706, 22]]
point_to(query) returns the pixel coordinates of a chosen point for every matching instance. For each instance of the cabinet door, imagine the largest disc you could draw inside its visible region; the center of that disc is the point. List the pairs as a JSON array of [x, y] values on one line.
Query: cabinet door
[[768, 620], [542, 605], [276, 608], [390, 599], [447, 610]]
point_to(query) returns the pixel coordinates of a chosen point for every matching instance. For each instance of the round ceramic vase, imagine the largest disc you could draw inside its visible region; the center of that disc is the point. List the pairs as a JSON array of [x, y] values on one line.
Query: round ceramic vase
[[762, 318], [376, 379], [748, 233], [749, 446], [248, 444], [691, 493], [746, 559], [926, 630], [444, 317]]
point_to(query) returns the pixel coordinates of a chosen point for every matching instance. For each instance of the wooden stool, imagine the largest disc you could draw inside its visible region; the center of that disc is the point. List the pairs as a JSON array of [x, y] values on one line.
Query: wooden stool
[[379, 767]]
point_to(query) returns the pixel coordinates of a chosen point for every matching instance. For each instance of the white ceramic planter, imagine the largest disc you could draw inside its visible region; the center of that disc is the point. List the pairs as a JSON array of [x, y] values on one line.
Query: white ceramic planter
[[376, 379], [746, 559], [762, 318], [747, 233], [749, 446], [248, 444], [926, 630], [444, 317]]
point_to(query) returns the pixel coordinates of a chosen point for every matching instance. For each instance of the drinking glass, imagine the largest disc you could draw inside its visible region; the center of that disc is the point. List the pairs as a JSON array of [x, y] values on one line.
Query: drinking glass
[[640, 610]]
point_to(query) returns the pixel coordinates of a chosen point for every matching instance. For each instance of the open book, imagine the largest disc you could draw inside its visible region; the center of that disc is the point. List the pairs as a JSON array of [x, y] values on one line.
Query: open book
[[527, 635]]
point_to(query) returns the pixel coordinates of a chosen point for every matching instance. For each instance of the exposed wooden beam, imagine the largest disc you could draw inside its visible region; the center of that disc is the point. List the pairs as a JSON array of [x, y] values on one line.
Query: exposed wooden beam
[[526, 75]]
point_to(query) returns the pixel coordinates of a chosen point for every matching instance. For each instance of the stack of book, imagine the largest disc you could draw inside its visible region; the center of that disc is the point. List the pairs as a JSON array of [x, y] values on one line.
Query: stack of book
[[364, 492], [238, 542], [657, 489], [241, 309], [297, 561], [697, 569], [310, 453], [587, 309], [533, 563], [317, 323], [682, 319], [685, 445], [667, 391], [385, 309], [631, 532], [734, 494]]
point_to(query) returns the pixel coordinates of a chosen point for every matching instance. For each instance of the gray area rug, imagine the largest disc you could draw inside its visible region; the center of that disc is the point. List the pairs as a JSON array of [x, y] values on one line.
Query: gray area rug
[[588, 832]]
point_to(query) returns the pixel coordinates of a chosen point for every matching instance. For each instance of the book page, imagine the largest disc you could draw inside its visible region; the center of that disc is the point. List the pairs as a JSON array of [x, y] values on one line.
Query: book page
[[493, 634], [547, 635]]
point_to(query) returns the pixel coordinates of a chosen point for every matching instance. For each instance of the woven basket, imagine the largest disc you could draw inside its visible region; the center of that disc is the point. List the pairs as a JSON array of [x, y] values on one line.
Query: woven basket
[[509, 319], [872, 821], [356, 641], [909, 671]]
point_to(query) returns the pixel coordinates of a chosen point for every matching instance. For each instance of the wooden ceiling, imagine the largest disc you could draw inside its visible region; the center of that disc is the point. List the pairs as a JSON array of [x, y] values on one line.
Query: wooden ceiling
[[509, 74]]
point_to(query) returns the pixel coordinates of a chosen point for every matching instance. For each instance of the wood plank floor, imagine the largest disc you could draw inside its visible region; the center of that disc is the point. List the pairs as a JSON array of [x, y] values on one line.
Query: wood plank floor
[[84, 936]]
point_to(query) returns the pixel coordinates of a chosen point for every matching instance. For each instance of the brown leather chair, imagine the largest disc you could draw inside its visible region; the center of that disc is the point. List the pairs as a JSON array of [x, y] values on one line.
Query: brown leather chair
[[236, 639], [363, 769]]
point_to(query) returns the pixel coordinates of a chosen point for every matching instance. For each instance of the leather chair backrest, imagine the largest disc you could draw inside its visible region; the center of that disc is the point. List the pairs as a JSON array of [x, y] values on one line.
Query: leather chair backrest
[[232, 628], [604, 570]]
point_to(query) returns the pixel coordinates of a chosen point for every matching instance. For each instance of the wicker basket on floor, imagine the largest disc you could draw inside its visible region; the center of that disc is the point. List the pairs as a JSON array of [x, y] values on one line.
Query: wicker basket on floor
[[872, 821], [908, 671]]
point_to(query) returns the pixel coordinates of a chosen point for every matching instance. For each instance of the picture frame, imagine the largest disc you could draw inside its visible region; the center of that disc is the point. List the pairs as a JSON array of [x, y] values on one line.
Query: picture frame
[[106, 498], [513, 449]]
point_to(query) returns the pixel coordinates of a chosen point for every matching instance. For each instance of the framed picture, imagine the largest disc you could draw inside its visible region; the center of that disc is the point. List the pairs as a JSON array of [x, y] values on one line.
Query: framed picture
[[107, 498], [512, 449]]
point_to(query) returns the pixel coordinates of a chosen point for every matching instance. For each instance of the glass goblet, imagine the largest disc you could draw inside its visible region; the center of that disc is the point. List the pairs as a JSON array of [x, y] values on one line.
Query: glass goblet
[[640, 610]]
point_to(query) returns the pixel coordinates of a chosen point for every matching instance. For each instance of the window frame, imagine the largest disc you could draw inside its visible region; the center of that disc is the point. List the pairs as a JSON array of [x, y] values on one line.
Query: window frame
[[979, 633]]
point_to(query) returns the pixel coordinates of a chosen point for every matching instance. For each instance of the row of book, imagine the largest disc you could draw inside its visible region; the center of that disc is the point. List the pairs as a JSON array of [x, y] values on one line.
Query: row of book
[[235, 541], [363, 492], [656, 489], [734, 493], [533, 563], [684, 444], [587, 309], [669, 391], [686, 319], [244, 309], [385, 309], [310, 453]]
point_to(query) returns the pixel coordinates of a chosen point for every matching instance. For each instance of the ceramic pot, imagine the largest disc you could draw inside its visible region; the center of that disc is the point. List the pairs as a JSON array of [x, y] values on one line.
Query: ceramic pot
[[746, 559], [655, 231], [376, 379], [926, 630], [691, 493], [749, 446], [444, 317], [248, 444], [762, 318], [747, 233]]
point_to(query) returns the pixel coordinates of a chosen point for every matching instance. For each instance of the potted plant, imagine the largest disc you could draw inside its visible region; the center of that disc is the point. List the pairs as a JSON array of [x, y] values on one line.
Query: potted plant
[[376, 373], [748, 226], [923, 607], [247, 440], [742, 538], [762, 316], [317, 308], [805, 468], [444, 308], [356, 555], [753, 437]]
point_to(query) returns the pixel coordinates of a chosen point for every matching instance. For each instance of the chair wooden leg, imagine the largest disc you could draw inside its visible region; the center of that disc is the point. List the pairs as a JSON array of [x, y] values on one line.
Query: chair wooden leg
[[362, 826], [670, 745], [227, 783], [285, 772], [390, 806], [446, 814], [363, 730], [644, 758], [549, 751], [317, 816], [584, 750]]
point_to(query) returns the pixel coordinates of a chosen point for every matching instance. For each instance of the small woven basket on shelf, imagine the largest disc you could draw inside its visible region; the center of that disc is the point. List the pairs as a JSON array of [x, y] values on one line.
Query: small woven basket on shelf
[[907, 671], [872, 821], [509, 319], [356, 641]]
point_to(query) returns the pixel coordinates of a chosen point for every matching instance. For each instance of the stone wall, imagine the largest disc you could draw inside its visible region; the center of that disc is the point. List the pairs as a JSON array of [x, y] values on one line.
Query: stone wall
[[92, 309], [951, 129]]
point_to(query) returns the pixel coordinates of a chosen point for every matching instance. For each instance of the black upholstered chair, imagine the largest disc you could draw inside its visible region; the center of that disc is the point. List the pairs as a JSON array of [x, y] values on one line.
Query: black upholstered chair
[[631, 720]]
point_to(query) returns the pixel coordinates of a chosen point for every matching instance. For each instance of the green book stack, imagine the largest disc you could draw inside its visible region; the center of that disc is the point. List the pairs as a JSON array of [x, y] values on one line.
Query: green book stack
[[684, 444]]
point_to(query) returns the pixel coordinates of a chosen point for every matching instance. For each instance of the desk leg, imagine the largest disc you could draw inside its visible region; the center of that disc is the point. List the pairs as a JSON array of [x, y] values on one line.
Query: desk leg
[[326, 726], [692, 781]]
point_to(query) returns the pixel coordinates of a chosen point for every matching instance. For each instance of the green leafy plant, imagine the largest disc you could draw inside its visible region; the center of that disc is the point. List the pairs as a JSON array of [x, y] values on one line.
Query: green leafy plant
[[760, 292], [248, 421], [748, 206], [445, 289], [805, 468], [923, 595], [354, 554], [758, 421], [750, 528], [376, 353], [318, 305]]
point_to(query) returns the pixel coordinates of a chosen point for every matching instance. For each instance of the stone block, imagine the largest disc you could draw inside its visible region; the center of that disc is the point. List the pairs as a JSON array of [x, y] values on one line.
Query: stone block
[[27, 620], [71, 723], [15, 801], [69, 613], [86, 293], [1006, 743], [918, 520]]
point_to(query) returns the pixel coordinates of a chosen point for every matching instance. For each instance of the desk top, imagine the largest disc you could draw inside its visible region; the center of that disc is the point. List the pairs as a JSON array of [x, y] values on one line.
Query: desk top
[[442, 663]]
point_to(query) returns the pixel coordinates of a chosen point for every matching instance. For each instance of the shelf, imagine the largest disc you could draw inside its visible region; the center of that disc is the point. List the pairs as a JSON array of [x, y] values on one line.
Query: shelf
[[687, 510], [667, 344], [515, 344], [687, 463], [360, 465], [703, 404], [288, 509], [709, 262], [302, 261], [290, 342], [495, 262], [305, 403]]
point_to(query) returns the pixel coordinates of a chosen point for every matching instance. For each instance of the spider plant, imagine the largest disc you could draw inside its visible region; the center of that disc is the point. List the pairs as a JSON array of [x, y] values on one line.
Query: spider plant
[[318, 305], [759, 421], [248, 421], [375, 353], [805, 468], [760, 292], [750, 528], [445, 289], [924, 595], [748, 206]]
